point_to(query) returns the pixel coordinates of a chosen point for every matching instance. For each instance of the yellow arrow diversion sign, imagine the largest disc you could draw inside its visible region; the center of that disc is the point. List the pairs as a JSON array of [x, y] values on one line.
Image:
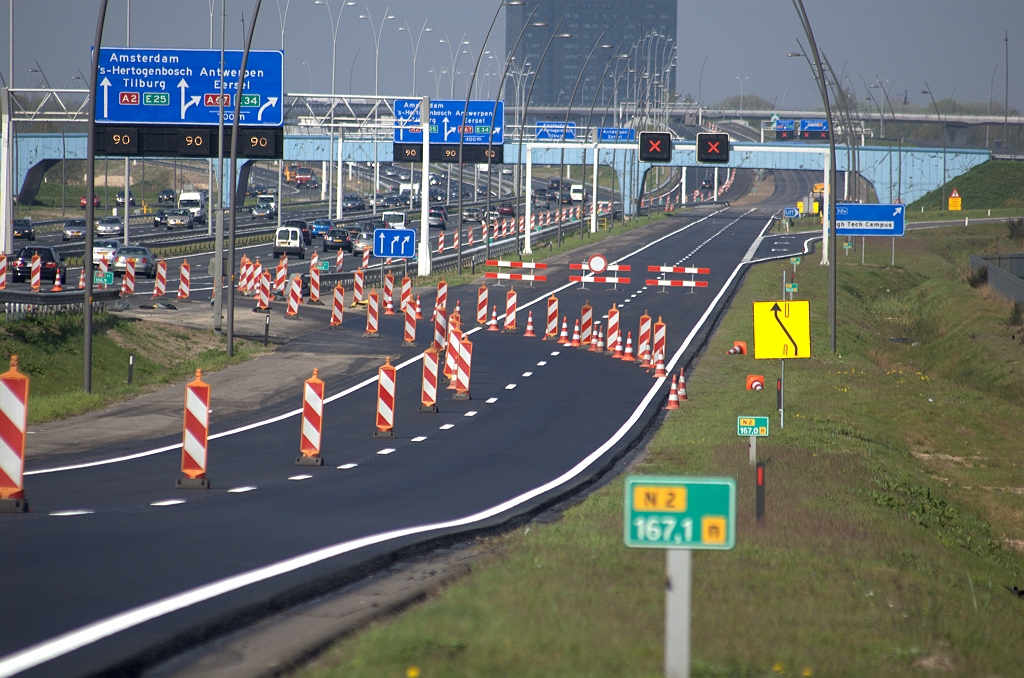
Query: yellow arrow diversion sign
[[782, 330]]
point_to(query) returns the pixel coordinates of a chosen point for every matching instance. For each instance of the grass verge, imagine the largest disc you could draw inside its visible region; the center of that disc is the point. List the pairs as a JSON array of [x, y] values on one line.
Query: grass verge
[[893, 507], [49, 350]]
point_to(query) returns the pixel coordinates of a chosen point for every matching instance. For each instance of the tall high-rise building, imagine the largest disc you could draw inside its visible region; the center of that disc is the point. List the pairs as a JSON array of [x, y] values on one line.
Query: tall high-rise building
[[643, 29]]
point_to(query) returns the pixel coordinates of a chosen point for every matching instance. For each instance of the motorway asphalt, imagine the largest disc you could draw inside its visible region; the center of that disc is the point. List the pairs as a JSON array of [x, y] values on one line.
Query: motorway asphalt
[[116, 568]]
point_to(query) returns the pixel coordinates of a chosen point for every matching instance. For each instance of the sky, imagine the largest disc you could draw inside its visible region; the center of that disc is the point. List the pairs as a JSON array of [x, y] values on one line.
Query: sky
[[955, 46]]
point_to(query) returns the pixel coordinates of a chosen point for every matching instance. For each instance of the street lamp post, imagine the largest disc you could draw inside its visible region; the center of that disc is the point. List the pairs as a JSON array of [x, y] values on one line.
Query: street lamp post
[[415, 47], [741, 79], [64, 148], [334, 25], [377, 32], [597, 139], [942, 125]]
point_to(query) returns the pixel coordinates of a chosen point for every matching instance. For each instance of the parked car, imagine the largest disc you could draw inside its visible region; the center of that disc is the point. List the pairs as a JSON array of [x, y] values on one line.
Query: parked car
[[110, 226], [436, 219], [160, 219], [473, 214], [120, 198], [74, 229], [263, 210], [145, 262], [289, 240], [49, 260], [320, 227], [506, 209], [104, 248], [179, 218], [95, 201], [23, 228], [337, 239], [303, 227], [166, 195]]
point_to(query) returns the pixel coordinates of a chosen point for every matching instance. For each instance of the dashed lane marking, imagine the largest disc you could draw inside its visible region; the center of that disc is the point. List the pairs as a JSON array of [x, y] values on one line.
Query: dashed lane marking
[[419, 439], [301, 476], [345, 467], [72, 512], [244, 488], [386, 450], [168, 502]]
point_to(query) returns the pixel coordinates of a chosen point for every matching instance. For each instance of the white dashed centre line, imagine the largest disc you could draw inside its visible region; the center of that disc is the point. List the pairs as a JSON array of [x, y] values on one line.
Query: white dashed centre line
[[303, 476], [386, 450], [445, 427], [72, 512], [168, 502], [491, 401], [244, 488], [471, 413], [542, 363], [527, 374], [345, 467], [510, 387], [555, 352], [419, 439]]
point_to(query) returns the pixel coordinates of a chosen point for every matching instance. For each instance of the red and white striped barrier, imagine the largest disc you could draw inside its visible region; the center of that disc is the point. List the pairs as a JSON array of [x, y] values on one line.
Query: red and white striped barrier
[[451, 356], [160, 288], [440, 329], [643, 341], [406, 297], [263, 303], [373, 315], [597, 265], [510, 311], [281, 278], [365, 263], [440, 242], [428, 392], [481, 305], [184, 275], [465, 365], [105, 268], [441, 299], [385, 399], [3, 271], [659, 338], [677, 283], [13, 431], [314, 285], [586, 324], [194, 444], [357, 286], [470, 239], [515, 264], [312, 422], [128, 281], [338, 307], [614, 335], [257, 275], [294, 297], [515, 276], [410, 326], [243, 275], [339, 260], [551, 325], [389, 294], [689, 270], [36, 273]]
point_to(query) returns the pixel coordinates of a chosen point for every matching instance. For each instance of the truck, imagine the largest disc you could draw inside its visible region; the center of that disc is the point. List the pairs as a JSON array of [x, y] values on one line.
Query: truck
[[194, 202], [289, 173], [304, 177]]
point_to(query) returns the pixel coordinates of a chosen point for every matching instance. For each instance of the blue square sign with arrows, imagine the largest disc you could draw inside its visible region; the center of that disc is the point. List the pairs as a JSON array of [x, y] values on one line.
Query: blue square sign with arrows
[[394, 243]]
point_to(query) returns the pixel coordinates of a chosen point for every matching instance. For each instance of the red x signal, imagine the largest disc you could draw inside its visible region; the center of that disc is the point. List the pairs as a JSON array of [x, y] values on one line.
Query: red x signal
[[713, 147], [654, 146]]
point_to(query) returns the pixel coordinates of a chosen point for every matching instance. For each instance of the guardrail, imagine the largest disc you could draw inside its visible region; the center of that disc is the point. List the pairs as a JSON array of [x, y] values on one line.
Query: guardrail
[[17, 305], [1005, 273]]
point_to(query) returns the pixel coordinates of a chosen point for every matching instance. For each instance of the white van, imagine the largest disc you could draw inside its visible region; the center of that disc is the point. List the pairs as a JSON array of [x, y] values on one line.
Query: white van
[[194, 202], [288, 240], [576, 192], [395, 219]]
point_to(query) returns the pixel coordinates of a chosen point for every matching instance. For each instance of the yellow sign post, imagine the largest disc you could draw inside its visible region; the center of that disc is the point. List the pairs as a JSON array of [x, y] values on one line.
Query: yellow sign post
[[782, 329], [955, 201]]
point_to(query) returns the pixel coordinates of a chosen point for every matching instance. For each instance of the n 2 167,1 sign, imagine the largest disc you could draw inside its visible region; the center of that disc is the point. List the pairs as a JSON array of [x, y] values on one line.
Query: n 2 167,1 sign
[[678, 512]]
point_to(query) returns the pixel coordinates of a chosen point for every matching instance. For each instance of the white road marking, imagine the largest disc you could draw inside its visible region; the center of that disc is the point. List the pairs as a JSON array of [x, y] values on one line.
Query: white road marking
[[419, 439], [345, 467], [445, 427], [471, 413], [243, 488], [527, 374], [491, 401], [542, 363], [168, 502], [386, 450], [555, 352], [72, 512], [302, 476], [510, 387]]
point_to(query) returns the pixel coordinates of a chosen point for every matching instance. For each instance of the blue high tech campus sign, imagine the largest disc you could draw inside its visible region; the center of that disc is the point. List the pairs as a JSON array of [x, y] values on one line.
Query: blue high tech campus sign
[[146, 86], [869, 220], [447, 121]]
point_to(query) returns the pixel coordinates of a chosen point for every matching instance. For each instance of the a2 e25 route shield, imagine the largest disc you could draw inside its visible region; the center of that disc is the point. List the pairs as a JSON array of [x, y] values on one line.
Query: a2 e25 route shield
[[782, 330], [655, 147]]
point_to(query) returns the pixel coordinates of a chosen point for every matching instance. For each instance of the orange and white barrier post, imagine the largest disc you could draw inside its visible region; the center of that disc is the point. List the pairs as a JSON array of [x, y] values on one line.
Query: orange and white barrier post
[[195, 438], [104, 269], [338, 306], [294, 297], [184, 274], [586, 324], [389, 293], [510, 311], [385, 399], [314, 285], [3, 272], [659, 338], [643, 342], [613, 328], [551, 326], [257, 275], [13, 431], [440, 242], [410, 326], [357, 286], [160, 288], [451, 357], [281, 277], [465, 365], [428, 393], [36, 273], [373, 316], [243, 274], [263, 304], [312, 422], [339, 260], [441, 300], [440, 329], [128, 281], [481, 305], [365, 263], [406, 298]]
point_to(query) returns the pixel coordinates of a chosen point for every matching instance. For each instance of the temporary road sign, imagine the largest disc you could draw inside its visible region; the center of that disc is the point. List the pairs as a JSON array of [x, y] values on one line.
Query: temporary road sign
[[955, 201], [782, 329], [616, 134], [857, 219], [678, 512], [396, 243], [555, 131], [103, 278], [794, 260], [598, 263], [137, 86], [323, 266], [446, 119], [790, 213], [752, 426]]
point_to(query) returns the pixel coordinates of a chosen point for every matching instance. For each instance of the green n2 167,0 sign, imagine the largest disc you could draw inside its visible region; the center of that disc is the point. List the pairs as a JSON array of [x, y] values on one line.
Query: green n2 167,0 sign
[[678, 512], [752, 426], [103, 278], [323, 266]]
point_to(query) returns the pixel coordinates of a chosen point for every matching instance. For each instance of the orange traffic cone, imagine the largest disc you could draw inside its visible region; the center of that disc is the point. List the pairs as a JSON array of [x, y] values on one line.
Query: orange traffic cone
[[576, 335], [618, 348], [419, 309], [81, 280], [563, 338], [629, 357], [492, 325], [673, 396], [529, 325], [600, 340], [682, 384], [56, 283], [458, 307], [593, 340], [659, 370]]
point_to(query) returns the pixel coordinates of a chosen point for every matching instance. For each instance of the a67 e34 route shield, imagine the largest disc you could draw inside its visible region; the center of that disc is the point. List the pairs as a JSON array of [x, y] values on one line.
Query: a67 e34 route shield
[[782, 330]]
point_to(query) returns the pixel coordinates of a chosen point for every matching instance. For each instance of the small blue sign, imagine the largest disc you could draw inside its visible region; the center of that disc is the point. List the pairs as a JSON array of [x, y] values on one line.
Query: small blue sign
[[394, 243], [785, 125], [555, 131], [814, 125], [617, 134], [145, 86], [447, 122], [790, 213], [857, 219]]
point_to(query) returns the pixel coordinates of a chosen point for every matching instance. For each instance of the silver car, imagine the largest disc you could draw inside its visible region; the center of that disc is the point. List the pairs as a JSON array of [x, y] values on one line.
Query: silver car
[[145, 262], [178, 218], [104, 248], [74, 229], [110, 226]]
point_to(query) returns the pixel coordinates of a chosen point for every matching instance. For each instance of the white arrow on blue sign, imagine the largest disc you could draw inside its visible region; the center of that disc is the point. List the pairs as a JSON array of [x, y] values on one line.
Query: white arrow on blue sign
[[868, 220], [446, 118], [140, 86], [790, 212], [555, 131], [394, 243]]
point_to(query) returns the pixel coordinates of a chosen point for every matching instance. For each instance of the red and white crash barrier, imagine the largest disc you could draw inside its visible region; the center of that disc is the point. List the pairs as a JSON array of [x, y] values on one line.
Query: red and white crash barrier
[[465, 364], [294, 297], [195, 439], [515, 276], [659, 338], [551, 325], [338, 307], [312, 422], [440, 242], [643, 339], [689, 270], [3, 271], [314, 285], [677, 283], [160, 288], [451, 356], [385, 399], [357, 286], [339, 260], [481, 305], [36, 272], [441, 298], [365, 263], [373, 315], [13, 431], [128, 281], [614, 336], [184, 274], [511, 299], [281, 277], [586, 324], [406, 297], [440, 329], [263, 302], [428, 392], [410, 326], [389, 294], [528, 265]]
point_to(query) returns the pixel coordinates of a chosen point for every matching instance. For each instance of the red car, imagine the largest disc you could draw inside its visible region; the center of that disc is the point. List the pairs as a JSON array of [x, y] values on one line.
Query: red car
[[506, 210], [95, 201]]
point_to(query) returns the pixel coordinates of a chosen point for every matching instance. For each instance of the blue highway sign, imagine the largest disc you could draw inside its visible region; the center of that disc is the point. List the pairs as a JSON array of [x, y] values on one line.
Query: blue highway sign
[[617, 134], [140, 86], [784, 125], [555, 131], [790, 213], [814, 125], [446, 117], [396, 243], [856, 219]]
